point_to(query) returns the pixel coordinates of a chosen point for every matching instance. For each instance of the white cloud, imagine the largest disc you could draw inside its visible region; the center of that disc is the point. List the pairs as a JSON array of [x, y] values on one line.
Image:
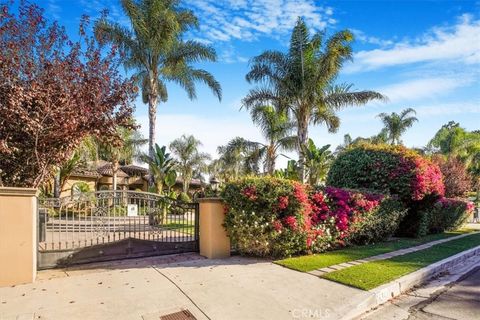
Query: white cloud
[[449, 109], [417, 89], [248, 19], [362, 37], [457, 44]]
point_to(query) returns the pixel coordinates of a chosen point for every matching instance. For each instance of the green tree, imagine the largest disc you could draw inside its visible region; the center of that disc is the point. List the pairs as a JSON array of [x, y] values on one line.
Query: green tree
[[395, 124], [317, 162], [454, 141], [154, 49], [124, 152], [303, 81], [290, 172], [189, 160], [161, 166], [277, 130]]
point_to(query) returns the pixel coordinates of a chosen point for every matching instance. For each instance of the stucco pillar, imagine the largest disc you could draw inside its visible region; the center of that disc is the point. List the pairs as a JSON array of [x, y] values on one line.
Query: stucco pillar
[[18, 236], [214, 242]]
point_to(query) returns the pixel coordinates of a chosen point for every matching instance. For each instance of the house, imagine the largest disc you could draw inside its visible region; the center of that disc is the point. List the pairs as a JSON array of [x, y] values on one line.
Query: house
[[129, 177]]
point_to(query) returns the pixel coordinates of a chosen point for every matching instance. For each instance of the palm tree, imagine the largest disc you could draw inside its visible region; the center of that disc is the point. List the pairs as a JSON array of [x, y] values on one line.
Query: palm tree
[[317, 161], [303, 82], [154, 49], [127, 149], [189, 159], [276, 128], [395, 124], [161, 166]]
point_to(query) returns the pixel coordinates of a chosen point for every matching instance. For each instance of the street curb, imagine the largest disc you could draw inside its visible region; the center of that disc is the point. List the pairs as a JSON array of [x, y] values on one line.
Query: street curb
[[390, 290]]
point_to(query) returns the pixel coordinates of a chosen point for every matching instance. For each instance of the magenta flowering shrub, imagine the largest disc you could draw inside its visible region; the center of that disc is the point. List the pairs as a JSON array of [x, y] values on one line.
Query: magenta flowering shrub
[[275, 217], [396, 171], [343, 216], [267, 216], [449, 214], [393, 170]]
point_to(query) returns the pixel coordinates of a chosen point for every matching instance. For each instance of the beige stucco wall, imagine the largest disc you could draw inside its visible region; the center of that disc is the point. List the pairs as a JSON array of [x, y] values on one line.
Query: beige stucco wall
[[18, 236], [214, 242]]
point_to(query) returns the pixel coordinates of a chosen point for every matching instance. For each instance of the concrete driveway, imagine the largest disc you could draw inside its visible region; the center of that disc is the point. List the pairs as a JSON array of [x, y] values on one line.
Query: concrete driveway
[[234, 288]]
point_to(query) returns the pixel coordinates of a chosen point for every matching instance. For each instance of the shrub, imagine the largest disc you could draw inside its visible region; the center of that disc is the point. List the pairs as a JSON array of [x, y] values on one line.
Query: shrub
[[393, 170], [267, 216], [184, 197], [387, 170], [449, 214], [348, 216], [456, 179], [276, 217]]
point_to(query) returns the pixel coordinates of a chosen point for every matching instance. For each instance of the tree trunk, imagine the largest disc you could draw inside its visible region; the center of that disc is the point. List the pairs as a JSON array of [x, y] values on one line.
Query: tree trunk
[[114, 172], [271, 159], [56, 185], [302, 138], [152, 118], [186, 184]]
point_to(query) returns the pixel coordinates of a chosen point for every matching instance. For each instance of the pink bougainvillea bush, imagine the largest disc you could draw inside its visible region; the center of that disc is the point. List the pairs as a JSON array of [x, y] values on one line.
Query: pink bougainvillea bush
[[275, 217], [348, 216], [393, 170], [386, 169], [267, 216]]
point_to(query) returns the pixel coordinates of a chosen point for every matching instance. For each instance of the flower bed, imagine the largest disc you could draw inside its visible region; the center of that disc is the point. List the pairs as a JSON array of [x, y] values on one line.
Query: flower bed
[[276, 217]]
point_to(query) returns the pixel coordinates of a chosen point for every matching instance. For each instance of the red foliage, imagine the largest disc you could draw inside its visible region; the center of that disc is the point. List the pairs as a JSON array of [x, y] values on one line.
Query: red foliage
[[250, 192], [53, 93], [427, 179], [455, 176]]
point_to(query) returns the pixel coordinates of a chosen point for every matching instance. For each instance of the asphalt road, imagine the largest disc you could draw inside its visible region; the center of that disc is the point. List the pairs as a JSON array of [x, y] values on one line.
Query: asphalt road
[[459, 300]]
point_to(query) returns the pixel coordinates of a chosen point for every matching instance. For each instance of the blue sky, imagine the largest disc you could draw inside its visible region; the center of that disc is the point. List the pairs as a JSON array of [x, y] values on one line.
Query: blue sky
[[421, 54]]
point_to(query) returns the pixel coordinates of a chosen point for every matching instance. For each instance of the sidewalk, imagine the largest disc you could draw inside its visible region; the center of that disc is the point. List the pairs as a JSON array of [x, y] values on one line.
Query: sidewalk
[[223, 289], [234, 288]]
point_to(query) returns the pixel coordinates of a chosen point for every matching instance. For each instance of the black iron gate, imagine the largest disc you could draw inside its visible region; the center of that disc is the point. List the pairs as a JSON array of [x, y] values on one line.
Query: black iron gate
[[109, 225]]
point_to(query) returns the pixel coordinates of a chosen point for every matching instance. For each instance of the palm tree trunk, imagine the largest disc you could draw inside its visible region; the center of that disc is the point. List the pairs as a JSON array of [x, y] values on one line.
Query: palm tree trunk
[[302, 138], [56, 185], [152, 118], [114, 172], [186, 184], [271, 160]]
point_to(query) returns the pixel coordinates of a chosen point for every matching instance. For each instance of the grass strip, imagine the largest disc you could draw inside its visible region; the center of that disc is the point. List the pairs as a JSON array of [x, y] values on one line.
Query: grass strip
[[373, 274], [330, 258]]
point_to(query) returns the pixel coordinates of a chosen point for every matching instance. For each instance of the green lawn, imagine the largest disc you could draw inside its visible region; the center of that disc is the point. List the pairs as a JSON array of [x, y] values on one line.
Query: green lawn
[[330, 258], [185, 227], [372, 274]]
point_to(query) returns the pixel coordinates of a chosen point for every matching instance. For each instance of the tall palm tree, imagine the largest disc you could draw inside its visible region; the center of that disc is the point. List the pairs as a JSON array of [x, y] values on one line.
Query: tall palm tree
[[395, 124], [127, 149], [154, 49], [189, 160], [161, 166], [303, 81], [276, 129]]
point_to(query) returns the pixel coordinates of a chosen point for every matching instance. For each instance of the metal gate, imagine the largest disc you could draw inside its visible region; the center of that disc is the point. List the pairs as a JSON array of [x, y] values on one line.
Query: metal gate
[[109, 225]]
